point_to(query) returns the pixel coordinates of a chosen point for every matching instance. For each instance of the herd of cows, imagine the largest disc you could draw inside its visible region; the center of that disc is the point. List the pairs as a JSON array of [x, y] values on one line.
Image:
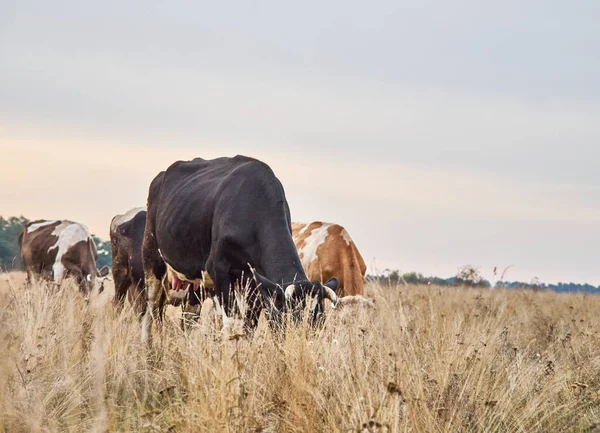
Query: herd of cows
[[209, 225]]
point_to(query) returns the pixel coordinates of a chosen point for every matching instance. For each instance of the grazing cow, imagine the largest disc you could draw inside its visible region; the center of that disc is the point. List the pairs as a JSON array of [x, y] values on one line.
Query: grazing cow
[[229, 217], [327, 250], [54, 250], [126, 236]]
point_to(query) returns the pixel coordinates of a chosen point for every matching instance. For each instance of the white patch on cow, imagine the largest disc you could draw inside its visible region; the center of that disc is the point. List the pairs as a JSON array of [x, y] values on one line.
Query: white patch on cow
[[356, 300], [127, 216], [58, 271], [289, 291], [226, 320], [317, 236], [69, 234], [179, 296], [346, 237], [34, 227], [303, 229]]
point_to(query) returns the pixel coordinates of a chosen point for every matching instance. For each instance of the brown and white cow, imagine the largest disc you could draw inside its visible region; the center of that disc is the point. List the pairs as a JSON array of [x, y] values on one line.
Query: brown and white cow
[[327, 250], [54, 250]]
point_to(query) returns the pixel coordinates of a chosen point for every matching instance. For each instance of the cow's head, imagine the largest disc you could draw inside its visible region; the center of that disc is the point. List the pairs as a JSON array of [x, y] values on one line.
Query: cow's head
[[95, 282], [298, 293], [293, 297]]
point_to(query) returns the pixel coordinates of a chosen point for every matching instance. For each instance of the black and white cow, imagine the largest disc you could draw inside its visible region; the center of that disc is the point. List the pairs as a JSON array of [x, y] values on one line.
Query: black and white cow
[[54, 250], [225, 216]]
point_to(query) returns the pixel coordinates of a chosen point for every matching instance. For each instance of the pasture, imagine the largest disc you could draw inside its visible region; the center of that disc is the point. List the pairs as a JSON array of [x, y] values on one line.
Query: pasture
[[426, 359]]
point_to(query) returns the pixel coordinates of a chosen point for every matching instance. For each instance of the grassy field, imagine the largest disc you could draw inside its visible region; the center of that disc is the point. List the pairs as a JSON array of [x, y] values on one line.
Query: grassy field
[[425, 359]]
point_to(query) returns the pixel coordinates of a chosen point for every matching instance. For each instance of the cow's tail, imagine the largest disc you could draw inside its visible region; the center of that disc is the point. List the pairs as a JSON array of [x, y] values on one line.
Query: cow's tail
[[21, 256], [21, 234], [93, 248]]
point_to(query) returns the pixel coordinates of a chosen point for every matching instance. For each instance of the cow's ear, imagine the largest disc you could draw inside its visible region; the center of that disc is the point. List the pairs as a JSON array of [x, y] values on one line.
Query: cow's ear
[[333, 283], [330, 288], [267, 287], [124, 228], [270, 291], [104, 271]]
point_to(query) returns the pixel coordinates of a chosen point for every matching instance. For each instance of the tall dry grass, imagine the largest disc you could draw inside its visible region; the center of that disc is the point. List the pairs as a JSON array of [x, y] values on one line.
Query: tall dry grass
[[424, 360]]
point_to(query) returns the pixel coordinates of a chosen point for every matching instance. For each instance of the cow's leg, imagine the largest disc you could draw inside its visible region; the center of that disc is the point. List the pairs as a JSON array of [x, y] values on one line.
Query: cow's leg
[[58, 273], [254, 306], [223, 292], [192, 307], [219, 271], [136, 293], [121, 290], [154, 272], [122, 283], [253, 303], [154, 290], [154, 307], [30, 279]]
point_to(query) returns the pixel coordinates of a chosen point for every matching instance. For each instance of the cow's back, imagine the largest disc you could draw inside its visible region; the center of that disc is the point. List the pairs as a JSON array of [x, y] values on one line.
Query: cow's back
[[326, 250], [232, 188], [200, 185]]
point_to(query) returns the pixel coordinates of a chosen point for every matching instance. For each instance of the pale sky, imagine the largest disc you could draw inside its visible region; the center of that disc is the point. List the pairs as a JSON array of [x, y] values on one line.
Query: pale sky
[[438, 133]]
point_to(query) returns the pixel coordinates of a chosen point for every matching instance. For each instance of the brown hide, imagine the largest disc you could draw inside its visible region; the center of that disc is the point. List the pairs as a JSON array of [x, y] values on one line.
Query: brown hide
[[35, 254], [336, 256], [125, 283]]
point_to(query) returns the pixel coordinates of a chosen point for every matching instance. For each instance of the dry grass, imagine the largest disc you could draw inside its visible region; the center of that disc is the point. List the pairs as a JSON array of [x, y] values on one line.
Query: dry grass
[[424, 360]]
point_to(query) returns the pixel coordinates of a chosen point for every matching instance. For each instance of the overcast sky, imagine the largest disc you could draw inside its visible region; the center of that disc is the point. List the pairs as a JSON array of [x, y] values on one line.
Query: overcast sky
[[438, 133]]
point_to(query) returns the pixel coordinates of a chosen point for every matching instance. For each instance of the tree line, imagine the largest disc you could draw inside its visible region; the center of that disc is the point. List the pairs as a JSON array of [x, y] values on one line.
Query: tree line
[[10, 253], [470, 277]]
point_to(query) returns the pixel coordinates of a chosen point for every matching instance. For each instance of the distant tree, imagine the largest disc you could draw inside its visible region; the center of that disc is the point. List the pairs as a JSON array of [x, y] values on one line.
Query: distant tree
[[10, 253], [395, 277], [469, 275], [390, 277], [536, 284], [104, 252], [414, 278]]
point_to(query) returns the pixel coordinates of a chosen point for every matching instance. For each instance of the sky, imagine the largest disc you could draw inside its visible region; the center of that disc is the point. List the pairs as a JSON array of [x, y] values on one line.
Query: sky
[[439, 134]]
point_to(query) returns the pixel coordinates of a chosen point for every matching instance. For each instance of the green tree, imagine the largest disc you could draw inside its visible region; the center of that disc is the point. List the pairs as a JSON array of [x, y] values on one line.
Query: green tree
[[104, 252], [471, 276], [10, 253]]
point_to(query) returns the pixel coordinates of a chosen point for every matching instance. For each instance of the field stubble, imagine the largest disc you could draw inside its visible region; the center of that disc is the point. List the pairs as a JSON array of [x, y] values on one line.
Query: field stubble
[[425, 359]]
